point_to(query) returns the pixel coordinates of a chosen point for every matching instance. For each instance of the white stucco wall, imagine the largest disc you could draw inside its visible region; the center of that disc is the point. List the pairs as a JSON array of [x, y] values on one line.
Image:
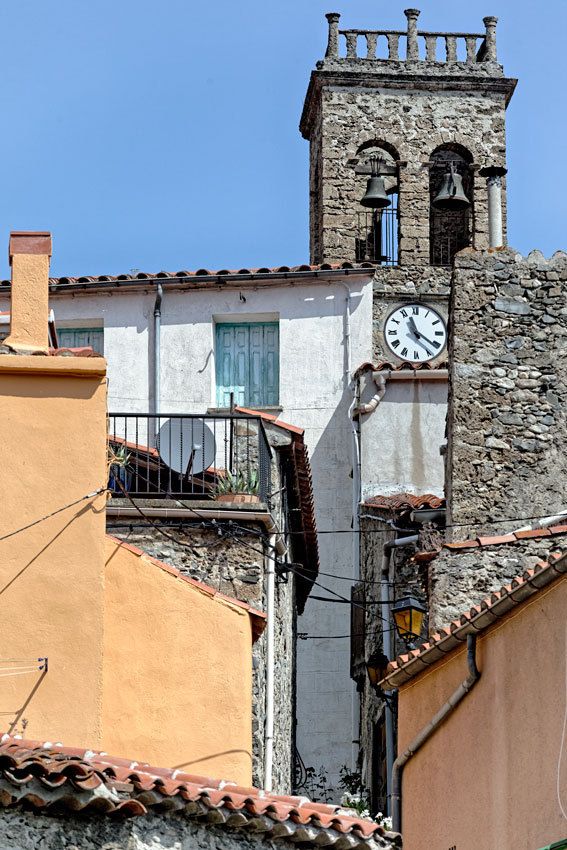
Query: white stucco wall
[[313, 396], [400, 441]]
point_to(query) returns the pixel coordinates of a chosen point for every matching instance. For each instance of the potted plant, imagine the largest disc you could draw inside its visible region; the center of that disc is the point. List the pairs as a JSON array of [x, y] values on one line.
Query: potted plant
[[120, 477], [237, 487]]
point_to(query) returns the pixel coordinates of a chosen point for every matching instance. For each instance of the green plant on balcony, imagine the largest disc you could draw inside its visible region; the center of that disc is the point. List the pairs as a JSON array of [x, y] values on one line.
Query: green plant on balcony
[[237, 487]]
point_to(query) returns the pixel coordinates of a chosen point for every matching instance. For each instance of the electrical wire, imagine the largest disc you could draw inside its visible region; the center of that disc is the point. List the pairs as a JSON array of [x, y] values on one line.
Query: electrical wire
[[54, 513]]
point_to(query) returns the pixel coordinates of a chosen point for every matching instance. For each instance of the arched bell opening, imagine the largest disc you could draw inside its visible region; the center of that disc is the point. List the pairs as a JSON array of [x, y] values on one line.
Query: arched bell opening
[[377, 234], [451, 187]]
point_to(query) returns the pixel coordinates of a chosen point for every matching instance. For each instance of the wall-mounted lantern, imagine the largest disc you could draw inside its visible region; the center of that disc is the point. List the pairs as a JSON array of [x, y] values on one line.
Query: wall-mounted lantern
[[408, 615]]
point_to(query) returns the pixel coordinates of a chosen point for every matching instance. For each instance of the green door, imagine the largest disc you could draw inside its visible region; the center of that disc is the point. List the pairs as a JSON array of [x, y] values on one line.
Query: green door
[[247, 364]]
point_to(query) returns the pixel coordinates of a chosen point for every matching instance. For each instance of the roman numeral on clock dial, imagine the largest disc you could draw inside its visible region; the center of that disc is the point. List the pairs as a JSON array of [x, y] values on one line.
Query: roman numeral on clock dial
[[415, 333]]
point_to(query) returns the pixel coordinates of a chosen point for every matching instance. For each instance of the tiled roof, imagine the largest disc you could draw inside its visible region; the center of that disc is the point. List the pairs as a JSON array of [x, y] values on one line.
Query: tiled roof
[[503, 539], [207, 275], [383, 365], [258, 618], [404, 502], [306, 505], [49, 776], [477, 619]]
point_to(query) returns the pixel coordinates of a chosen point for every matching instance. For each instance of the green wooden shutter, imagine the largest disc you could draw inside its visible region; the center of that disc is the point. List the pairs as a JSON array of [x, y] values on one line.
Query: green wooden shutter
[[271, 377], [247, 364], [81, 338]]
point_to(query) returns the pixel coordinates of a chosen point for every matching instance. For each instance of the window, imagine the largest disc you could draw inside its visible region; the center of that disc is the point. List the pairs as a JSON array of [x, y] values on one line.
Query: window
[[81, 338], [247, 364]]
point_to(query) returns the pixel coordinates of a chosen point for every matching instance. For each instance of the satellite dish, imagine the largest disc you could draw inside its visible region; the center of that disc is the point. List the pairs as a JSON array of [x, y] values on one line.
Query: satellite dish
[[186, 445]]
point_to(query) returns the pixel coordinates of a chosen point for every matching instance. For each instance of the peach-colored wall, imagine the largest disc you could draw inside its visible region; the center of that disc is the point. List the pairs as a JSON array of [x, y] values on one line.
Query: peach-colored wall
[[487, 778], [52, 452], [177, 672]]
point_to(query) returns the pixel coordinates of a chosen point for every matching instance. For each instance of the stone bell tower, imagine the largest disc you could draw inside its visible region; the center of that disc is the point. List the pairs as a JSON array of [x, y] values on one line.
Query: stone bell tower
[[419, 103]]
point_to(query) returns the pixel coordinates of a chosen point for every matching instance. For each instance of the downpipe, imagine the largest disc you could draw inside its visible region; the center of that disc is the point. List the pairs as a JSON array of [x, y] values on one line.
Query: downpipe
[[422, 737], [270, 664], [157, 349]]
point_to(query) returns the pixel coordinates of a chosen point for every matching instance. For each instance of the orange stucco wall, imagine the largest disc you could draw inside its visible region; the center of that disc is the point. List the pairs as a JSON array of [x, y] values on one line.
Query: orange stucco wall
[[487, 778], [52, 452], [177, 671]]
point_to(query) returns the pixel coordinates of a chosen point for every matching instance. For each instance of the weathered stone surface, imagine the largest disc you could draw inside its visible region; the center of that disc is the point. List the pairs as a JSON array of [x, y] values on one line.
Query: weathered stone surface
[[347, 111], [514, 416], [29, 831], [459, 580]]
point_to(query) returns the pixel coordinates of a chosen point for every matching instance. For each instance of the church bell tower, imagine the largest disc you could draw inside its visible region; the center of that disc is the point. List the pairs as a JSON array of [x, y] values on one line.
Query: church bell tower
[[406, 128]]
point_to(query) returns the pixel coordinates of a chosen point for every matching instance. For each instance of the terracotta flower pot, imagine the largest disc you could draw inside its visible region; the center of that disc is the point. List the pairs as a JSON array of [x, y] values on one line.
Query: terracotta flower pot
[[237, 498]]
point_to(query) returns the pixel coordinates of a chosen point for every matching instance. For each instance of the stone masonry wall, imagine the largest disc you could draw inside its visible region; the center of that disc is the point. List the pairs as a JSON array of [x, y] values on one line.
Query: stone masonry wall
[[408, 580], [414, 123], [461, 579], [507, 420], [232, 561], [28, 831]]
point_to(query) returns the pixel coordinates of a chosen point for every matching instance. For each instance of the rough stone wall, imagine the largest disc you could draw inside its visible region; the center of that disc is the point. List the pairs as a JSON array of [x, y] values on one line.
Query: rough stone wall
[[414, 122], [231, 561], [29, 831], [507, 420], [407, 580], [459, 580]]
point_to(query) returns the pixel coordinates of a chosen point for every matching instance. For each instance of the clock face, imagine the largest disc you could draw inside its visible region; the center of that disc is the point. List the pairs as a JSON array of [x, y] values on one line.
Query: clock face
[[416, 333]]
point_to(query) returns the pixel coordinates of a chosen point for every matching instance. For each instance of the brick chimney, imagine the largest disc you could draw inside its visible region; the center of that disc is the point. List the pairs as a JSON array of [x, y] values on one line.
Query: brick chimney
[[29, 258]]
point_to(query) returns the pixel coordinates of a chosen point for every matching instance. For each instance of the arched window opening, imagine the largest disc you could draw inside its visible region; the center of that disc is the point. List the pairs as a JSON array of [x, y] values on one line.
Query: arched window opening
[[451, 203], [377, 234]]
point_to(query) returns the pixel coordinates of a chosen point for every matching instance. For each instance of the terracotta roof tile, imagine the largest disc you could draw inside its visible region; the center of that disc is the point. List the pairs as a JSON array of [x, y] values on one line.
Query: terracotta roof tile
[[478, 618], [206, 275], [504, 539], [405, 501], [48, 776], [532, 533], [400, 367], [258, 618]]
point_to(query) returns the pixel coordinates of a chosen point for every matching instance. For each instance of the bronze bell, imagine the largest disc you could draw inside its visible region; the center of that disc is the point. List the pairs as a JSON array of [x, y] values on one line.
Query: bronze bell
[[376, 197], [451, 195]]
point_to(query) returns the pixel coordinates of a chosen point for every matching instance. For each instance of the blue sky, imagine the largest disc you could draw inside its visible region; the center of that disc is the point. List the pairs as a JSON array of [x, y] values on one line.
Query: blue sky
[[165, 136]]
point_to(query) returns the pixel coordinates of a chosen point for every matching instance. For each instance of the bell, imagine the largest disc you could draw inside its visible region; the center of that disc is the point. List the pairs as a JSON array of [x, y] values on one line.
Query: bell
[[376, 197], [451, 195]]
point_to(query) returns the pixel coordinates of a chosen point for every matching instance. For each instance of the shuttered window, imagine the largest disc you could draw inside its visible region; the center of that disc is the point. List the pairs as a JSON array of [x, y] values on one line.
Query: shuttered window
[[81, 338], [247, 364]]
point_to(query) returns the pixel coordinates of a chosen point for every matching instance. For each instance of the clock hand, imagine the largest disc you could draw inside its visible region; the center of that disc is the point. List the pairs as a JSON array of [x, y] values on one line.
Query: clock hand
[[413, 326], [419, 337]]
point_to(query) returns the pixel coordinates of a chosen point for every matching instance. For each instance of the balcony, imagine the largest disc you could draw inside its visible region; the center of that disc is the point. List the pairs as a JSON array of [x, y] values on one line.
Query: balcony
[[225, 457]]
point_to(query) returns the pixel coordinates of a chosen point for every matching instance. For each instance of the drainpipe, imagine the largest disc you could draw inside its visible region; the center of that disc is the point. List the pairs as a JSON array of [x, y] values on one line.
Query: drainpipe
[[356, 497], [422, 737], [270, 636], [157, 349], [386, 577], [543, 523], [379, 379]]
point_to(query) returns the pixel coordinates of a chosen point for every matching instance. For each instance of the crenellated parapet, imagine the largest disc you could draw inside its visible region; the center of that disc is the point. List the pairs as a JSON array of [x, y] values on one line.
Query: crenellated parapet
[[413, 48]]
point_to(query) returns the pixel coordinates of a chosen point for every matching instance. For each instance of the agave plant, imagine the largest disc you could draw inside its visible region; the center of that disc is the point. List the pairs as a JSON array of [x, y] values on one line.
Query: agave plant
[[238, 482]]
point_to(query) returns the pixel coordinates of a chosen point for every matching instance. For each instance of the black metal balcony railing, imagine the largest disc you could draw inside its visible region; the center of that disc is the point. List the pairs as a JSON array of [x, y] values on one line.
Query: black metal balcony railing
[[188, 455]]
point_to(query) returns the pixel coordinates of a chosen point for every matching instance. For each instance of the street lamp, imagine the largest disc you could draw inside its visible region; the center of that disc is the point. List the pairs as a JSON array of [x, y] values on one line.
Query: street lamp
[[408, 616], [377, 667]]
